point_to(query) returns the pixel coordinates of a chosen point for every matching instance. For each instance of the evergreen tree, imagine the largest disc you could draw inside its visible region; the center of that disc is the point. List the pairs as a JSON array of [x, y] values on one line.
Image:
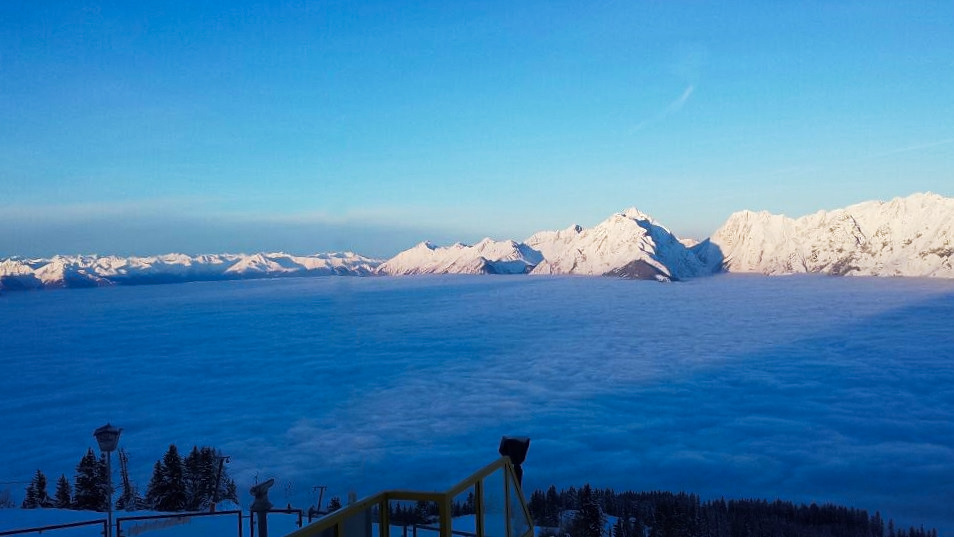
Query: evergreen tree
[[334, 504], [29, 497], [63, 496], [200, 472], [551, 515], [89, 491], [39, 484], [198, 479], [228, 489], [166, 491], [589, 520], [154, 489]]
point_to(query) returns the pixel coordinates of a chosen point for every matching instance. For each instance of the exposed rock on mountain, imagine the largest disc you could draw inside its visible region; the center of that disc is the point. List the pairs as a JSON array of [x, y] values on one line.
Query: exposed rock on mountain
[[629, 244], [912, 236], [485, 257]]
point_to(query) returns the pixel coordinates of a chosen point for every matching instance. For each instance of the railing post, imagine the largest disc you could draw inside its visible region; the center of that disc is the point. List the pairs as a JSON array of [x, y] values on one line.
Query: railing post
[[447, 520], [384, 517], [506, 511], [479, 506]]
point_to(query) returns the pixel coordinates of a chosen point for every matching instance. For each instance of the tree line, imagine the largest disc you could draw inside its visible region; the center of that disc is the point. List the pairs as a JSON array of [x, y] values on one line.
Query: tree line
[[583, 513], [190, 483]]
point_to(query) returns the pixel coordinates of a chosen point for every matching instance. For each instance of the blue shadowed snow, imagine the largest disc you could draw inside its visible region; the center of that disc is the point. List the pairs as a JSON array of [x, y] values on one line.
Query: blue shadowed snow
[[803, 388]]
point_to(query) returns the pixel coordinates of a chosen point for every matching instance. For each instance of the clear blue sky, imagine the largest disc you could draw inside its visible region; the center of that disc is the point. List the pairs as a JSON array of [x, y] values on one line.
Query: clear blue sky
[[147, 127]]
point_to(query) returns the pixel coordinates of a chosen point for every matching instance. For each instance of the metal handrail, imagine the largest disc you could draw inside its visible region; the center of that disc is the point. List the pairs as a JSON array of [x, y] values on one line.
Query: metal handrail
[[42, 529], [332, 524]]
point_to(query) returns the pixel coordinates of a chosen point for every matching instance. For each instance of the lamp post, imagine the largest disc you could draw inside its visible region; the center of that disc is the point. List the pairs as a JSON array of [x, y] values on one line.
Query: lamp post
[[108, 437]]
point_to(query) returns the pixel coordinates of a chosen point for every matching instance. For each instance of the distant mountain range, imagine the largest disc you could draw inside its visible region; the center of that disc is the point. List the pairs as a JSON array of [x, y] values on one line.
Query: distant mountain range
[[93, 271], [912, 236]]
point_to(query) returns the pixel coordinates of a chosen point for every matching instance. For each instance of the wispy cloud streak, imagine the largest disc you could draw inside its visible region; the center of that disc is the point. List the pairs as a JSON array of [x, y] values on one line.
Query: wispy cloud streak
[[670, 109]]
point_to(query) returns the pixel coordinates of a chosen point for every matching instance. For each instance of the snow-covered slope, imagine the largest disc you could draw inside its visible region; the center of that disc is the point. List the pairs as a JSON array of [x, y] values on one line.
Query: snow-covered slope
[[629, 244], [912, 236], [485, 257], [91, 271]]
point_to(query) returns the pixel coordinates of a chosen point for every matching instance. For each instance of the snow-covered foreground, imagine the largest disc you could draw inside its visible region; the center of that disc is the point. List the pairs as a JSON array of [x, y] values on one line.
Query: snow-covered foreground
[[803, 388]]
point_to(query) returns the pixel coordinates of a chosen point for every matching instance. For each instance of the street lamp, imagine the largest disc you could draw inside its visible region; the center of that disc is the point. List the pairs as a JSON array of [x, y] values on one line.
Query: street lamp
[[108, 437]]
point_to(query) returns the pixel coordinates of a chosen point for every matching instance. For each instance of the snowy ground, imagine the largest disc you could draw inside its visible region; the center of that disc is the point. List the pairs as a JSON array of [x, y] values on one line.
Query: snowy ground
[[801, 388]]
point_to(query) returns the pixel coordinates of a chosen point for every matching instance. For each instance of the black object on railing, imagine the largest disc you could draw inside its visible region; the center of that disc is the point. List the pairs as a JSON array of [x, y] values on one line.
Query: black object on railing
[[516, 448]]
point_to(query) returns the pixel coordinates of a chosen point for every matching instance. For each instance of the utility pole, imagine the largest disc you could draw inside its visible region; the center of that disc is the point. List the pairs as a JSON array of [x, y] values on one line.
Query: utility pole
[[316, 510], [218, 480]]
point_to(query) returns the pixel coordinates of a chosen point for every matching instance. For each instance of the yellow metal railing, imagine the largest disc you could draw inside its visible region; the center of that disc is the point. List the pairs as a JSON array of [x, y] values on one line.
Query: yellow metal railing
[[500, 509]]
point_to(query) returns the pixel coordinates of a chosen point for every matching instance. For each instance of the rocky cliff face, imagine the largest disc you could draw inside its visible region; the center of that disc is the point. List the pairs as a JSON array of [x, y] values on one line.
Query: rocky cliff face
[[912, 236]]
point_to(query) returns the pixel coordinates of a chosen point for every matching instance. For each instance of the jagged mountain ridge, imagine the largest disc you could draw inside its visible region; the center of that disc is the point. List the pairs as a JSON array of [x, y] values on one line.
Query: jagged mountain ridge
[[911, 236], [486, 257], [629, 244], [93, 270]]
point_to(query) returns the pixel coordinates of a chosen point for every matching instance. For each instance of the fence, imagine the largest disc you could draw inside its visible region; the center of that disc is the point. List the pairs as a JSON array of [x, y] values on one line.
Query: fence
[[42, 529], [499, 510]]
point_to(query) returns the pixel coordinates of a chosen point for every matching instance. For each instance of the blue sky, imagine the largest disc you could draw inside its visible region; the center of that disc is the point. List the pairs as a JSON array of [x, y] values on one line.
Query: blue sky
[[139, 128]]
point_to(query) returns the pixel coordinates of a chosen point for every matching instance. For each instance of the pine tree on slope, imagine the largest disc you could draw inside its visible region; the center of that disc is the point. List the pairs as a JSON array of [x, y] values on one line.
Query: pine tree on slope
[[29, 497], [89, 491], [589, 520], [39, 485], [63, 497], [166, 491]]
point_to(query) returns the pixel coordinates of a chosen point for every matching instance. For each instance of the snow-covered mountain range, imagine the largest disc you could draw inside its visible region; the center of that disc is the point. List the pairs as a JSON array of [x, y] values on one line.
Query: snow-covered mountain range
[[92, 270], [486, 257], [628, 244], [912, 236]]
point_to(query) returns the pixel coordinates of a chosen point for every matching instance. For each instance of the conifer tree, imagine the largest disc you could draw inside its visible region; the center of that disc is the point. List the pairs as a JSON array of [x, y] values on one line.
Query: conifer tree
[[334, 504], [154, 489], [39, 486], [29, 497], [166, 491], [199, 472], [89, 491], [589, 520], [63, 497]]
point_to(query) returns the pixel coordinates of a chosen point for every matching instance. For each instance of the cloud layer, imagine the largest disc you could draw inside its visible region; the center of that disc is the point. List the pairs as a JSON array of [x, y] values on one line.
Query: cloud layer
[[803, 388]]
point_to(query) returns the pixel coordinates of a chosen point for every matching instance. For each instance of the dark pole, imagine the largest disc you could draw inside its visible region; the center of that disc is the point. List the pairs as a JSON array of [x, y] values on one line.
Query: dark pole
[[218, 480]]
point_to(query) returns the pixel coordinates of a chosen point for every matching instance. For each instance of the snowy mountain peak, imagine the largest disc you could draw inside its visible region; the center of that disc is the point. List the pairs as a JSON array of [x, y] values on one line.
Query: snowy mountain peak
[[910, 236], [486, 257], [627, 244], [635, 214]]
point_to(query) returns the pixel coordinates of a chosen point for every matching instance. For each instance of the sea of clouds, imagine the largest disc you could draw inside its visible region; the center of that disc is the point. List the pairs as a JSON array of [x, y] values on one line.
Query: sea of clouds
[[800, 388]]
